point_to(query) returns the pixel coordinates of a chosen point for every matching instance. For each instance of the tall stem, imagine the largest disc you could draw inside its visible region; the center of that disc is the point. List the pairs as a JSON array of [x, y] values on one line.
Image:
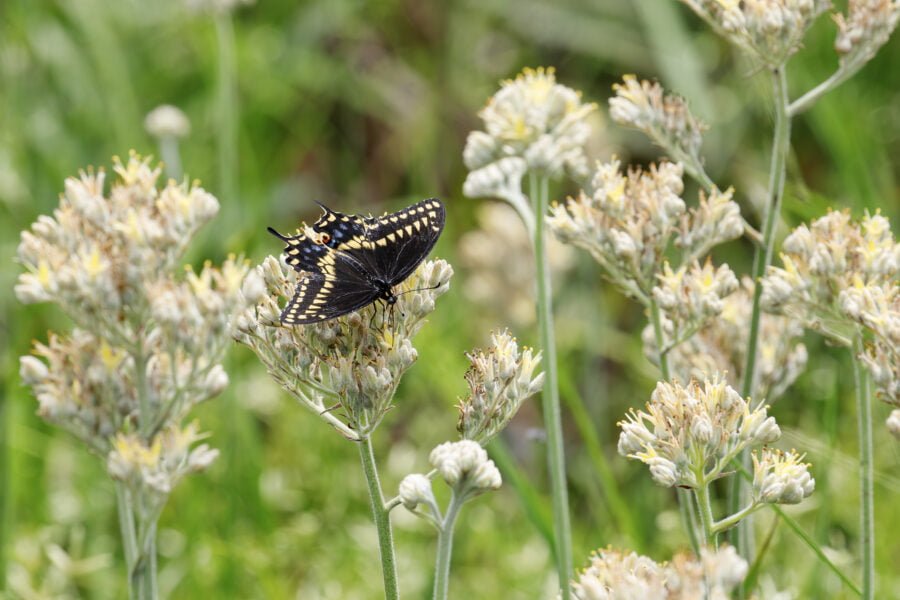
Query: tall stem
[[382, 520], [552, 417], [685, 500], [866, 475], [445, 549], [227, 109], [129, 536], [762, 258]]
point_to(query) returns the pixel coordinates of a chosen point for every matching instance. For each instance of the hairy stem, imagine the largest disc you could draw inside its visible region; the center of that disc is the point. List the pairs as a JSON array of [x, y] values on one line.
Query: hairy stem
[[382, 520], [129, 536], [741, 536], [706, 516], [866, 475], [552, 416], [445, 548]]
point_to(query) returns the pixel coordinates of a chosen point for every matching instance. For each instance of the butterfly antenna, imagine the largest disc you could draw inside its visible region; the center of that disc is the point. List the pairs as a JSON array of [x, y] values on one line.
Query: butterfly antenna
[[425, 289], [278, 235]]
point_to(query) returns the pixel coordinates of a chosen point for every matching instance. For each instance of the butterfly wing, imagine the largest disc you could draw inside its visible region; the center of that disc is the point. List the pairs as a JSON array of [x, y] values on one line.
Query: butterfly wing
[[339, 288], [334, 228], [396, 243]]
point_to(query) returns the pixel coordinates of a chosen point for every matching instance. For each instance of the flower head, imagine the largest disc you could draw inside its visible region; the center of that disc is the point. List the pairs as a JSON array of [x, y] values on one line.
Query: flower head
[[721, 345], [465, 466], [630, 220], [688, 434], [614, 575], [665, 118], [415, 489], [500, 379], [864, 30], [824, 262], [535, 119], [770, 30], [167, 121], [691, 297], [352, 363], [780, 477]]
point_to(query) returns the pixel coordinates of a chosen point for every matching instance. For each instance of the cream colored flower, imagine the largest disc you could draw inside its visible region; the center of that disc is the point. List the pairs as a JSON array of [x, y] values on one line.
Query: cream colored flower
[[781, 477], [500, 379], [688, 434], [536, 119]]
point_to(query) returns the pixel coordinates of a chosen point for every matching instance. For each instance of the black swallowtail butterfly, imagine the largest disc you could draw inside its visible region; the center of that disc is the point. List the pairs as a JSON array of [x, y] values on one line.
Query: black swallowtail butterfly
[[348, 261]]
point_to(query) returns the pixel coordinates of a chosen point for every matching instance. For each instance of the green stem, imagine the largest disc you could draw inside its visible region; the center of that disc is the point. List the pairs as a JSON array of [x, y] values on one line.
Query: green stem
[[129, 536], [445, 549], [762, 258], [685, 500], [144, 575], [706, 517], [866, 475], [382, 520], [734, 519], [552, 416], [227, 109]]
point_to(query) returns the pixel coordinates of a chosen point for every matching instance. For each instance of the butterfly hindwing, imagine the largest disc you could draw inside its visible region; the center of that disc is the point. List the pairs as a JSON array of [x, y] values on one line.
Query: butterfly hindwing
[[341, 287]]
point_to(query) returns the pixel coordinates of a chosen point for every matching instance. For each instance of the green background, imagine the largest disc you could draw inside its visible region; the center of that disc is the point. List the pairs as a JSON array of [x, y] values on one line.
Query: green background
[[365, 106]]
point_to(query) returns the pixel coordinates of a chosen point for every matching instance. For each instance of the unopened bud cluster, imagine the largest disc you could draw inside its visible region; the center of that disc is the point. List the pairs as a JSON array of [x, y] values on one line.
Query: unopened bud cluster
[[664, 118], [614, 575], [534, 120], [345, 369], [770, 30], [721, 345], [781, 477], [149, 342], [629, 221], [500, 379], [465, 466], [691, 296]]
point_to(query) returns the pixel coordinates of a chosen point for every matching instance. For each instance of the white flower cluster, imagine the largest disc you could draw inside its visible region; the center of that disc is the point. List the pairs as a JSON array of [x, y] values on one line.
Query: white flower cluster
[[167, 121], [158, 466], [500, 379], [354, 361], [771, 30], [690, 297], [721, 345], [629, 221], [781, 478], [534, 120], [824, 263], [465, 466], [148, 346], [865, 29], [688, 434], [664, 118], [614, 575]]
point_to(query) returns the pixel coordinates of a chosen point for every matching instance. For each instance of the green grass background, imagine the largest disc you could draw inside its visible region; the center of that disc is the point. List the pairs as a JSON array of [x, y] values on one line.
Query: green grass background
[[365, 106]]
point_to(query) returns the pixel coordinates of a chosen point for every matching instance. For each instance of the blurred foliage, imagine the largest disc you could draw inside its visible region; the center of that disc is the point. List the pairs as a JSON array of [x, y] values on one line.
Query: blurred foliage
[[365, 106]]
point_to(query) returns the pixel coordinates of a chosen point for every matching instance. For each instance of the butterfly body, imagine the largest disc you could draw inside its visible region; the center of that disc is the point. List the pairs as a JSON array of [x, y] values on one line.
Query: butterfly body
[[348, 261]]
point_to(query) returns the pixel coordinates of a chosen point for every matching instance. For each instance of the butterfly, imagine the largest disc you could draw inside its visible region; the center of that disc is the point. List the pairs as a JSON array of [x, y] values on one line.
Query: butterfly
[[349, 261]]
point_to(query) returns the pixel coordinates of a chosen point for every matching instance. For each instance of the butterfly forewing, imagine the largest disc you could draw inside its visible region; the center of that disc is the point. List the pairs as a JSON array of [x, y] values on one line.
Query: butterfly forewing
[[352, 261]]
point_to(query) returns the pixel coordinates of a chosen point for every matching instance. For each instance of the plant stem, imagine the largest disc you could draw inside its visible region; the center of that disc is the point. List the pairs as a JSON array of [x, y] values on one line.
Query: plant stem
[[227, 110], [866, 475], [685, 500], [145, 570], [706, 517], [552, 417], [445, 549], [382, 520], [129, 537], [734, 519], [762, 258]]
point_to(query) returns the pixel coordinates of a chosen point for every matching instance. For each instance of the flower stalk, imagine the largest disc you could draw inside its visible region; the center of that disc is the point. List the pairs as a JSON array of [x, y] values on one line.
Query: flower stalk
[[866, 473], [762, 258], [445, 548], [539, 189], [382, 518]]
